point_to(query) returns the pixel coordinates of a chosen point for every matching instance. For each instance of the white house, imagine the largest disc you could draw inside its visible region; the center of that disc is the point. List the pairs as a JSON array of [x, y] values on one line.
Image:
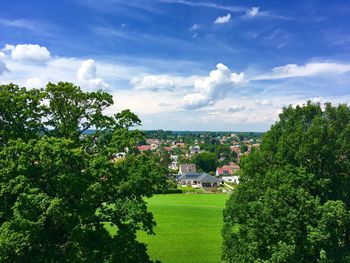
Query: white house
[[199, 179], [231, 179], [194, 149]]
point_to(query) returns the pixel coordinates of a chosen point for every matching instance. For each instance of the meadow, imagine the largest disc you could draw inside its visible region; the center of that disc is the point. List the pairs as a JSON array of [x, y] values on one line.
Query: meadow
[[188, 227]]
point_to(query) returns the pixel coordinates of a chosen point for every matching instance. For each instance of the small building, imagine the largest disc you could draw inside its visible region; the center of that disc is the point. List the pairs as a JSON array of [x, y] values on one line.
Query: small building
[[187, 168], [199, 179], [227, 169], [179, 144], [231, 179], [168, 148], [224, 170], [194, 149]]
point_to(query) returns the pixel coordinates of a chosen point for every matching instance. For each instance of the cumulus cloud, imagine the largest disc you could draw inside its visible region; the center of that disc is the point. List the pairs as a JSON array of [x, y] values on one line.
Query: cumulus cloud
[[254, 11], [162, 82], [223, 19], [23, 52], [310, 69], [87, 78], [235, 108], [212, 88]]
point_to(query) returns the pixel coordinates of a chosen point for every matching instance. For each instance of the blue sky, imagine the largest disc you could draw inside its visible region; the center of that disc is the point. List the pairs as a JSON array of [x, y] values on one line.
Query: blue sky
[[181, 64]]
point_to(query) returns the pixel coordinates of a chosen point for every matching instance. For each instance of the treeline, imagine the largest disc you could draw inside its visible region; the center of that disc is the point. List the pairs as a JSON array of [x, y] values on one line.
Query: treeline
[[186, 135]]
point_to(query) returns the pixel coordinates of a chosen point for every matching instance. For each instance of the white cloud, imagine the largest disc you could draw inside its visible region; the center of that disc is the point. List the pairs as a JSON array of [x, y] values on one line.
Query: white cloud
[[3, 68], [162, 82], [195, 27], [212, 88], [86, 76], [28, 52], [263, 102], [254, 11], [195, 35], [235, 108], [310, 69], [34, 83], [223, 19]]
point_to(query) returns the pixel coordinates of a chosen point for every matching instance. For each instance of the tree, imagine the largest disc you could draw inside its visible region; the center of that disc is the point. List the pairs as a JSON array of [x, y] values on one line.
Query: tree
[[20, 113], [205, 161], [71, 111], [292, 203], [58, 198]]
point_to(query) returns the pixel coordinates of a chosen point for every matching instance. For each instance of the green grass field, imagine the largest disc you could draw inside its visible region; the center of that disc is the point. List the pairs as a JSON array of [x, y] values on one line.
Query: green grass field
[[188, 227]]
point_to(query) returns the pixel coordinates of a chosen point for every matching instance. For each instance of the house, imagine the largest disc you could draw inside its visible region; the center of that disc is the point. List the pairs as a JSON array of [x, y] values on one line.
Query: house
[[168, 148], [236, 148], [144, 148], [199, 179], [231, 179], [179, 144], [194, 149], [187, 168], [227, 169], [152, 141], [224, 170]]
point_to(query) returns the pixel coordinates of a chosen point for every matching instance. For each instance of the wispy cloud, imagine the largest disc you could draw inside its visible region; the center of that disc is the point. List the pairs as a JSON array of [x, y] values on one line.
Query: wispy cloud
[[230, 8], [195, 27], [307, 70], [254, 11], [39, 27], [249, 12]]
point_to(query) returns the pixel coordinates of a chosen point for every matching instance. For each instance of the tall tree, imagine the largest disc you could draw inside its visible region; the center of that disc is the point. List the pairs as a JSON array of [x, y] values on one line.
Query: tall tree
[[71, 111], [292, 203], [20, 113], [66, 200]]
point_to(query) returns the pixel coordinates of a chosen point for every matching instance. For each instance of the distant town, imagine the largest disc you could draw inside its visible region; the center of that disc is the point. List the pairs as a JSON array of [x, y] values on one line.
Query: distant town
[[199, 161]]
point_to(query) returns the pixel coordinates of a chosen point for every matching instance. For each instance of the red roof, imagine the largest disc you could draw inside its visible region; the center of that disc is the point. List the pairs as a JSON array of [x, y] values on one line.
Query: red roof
[[224, 170], [144, 148], [228, 169]]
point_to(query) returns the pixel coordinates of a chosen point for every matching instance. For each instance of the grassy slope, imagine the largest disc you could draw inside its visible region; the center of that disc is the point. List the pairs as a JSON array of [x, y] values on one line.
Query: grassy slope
[[188, 227]]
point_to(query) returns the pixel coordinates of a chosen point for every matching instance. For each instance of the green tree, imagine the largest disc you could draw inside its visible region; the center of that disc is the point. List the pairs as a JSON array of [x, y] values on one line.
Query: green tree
[[58, 198], [21, 111], [71, 111], [292, 203], [205, 161]]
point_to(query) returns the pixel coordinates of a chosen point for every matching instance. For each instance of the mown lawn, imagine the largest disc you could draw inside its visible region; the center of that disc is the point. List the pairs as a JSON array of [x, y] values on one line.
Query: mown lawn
[[188, 227]]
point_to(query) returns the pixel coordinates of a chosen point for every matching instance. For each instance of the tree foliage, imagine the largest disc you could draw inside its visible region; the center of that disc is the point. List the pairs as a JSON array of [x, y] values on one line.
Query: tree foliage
[[60, 191], [292, 203], [205, 161]]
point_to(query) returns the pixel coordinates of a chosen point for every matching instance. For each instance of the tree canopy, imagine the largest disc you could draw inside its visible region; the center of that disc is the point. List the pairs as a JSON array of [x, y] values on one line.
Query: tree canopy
[[205, 161], [61, 188], [292, 203]]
